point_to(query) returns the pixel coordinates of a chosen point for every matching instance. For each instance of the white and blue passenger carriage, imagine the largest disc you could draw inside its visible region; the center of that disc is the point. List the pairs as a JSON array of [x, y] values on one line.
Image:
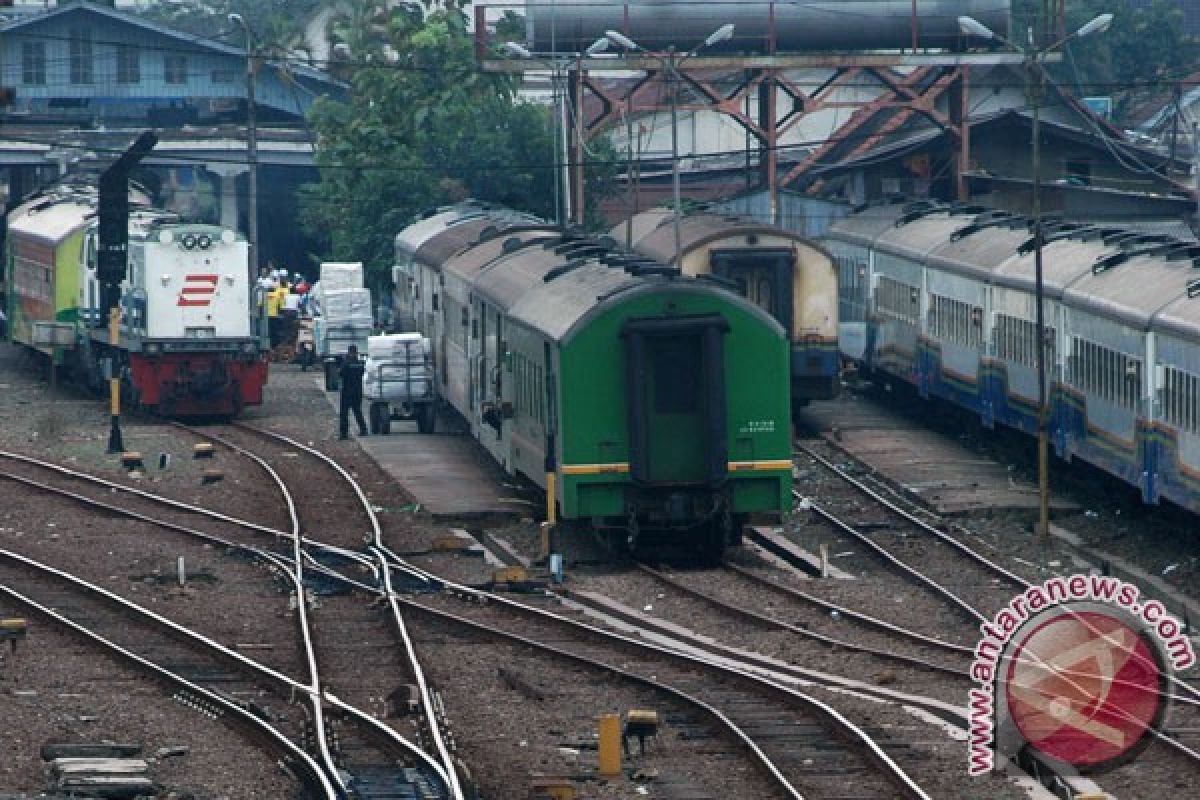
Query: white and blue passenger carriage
[[946, 299]]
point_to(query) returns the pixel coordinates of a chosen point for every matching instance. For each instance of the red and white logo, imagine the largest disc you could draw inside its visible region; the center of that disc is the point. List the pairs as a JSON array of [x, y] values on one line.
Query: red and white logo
[[1085, 688], [197, 290]]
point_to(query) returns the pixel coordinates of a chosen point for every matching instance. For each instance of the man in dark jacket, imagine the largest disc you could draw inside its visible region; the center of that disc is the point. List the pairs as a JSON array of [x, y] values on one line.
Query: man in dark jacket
[[352, 393]]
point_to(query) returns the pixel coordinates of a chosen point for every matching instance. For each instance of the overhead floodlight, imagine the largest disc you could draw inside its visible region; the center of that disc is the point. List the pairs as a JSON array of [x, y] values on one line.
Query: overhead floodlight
[[1098, 25], [721, 34], [620, 39], [973, 27], [517, 50]]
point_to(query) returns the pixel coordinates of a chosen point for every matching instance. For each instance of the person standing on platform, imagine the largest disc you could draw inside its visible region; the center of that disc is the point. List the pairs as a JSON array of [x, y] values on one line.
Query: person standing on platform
[[352, 393], [274, 311]]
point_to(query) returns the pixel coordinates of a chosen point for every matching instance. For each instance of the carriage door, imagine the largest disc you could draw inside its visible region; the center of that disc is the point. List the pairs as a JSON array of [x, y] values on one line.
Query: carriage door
[[675, 396], [763, 276]]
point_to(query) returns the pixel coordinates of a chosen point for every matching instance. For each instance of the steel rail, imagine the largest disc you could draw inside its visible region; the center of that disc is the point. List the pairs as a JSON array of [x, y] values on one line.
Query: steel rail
[[195, 638], [944, 537], [882, 552], [797, 629], [450, 774], [316, 777], [872, 748], [280, 563], [850, 613]]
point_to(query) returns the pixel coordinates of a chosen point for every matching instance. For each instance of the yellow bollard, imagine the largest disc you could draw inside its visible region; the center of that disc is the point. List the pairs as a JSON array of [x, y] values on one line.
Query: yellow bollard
[[551, 510], [610, 744]]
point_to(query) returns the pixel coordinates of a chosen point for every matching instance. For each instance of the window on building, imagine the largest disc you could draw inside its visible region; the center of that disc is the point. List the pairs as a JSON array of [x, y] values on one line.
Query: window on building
[[81, 57], [129, 64], [33, 63], [174, 68], [223, 76]]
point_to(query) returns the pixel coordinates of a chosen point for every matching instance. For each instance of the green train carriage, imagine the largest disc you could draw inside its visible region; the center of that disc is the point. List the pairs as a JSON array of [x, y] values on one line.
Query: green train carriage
[[662, 401]]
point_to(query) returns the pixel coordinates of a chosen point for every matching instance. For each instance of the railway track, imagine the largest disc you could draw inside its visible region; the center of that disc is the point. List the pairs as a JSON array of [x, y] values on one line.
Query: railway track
[[362, 757], [786, 732], [952, 571], [201, 674]]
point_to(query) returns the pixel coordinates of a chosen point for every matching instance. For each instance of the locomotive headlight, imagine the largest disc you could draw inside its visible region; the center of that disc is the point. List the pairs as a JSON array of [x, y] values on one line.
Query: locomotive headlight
[[228, 237], [204, 241], [166, 237], [188, 241]]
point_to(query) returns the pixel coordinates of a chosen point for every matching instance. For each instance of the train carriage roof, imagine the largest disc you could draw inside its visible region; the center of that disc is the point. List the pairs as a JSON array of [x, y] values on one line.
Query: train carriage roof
[[1180, 318], [51, 220], [468, 263], [915, 239], [865, 226], [451, 240], [654, 232], [980, 250], [1132, 291], [447, 231], [1063, 262]]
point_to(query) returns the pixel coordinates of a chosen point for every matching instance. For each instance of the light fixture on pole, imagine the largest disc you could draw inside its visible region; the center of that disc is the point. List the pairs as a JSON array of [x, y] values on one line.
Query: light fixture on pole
[[251, 147], [1035, 85], [671, 62], [559, 65]]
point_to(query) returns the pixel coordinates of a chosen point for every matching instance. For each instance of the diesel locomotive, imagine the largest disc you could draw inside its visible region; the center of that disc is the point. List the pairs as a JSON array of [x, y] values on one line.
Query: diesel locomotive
[[643, 401], [188, 343]]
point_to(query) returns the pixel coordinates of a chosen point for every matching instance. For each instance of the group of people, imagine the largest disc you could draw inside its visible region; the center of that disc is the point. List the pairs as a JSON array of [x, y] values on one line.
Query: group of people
[[285, 297]]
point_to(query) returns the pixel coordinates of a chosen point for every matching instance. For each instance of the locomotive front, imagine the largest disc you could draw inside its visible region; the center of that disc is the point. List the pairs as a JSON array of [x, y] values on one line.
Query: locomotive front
[[193, 347]]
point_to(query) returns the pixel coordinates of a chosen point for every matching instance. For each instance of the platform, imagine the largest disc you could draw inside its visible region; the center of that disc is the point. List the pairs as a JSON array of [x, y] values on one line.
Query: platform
[[448, 474], [948, 476]]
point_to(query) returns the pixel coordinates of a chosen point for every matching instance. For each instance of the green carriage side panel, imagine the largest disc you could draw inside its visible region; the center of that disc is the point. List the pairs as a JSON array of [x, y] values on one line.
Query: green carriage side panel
[[595, 449], [67, 297]]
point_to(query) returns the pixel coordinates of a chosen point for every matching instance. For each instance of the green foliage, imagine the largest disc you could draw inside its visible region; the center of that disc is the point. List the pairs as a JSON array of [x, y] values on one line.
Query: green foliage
[[277, 26], [422, 127], [1144, 49]]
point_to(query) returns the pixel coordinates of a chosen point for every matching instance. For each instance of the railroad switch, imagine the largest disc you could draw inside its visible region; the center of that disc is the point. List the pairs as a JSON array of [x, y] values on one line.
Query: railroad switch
[[131, 459], [202, 450], [13, 629], [640, 723], [549, 788], [212, 476]]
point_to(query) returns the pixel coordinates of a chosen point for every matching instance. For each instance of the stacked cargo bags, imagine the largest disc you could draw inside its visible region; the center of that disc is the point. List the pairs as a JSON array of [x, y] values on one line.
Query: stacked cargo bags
[[398, 369], [344, 309]]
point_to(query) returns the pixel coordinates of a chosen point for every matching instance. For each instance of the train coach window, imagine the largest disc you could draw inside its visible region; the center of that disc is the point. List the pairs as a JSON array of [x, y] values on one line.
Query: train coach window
[[1106, 373], [1179, 399], [897, 300], [955, 321]]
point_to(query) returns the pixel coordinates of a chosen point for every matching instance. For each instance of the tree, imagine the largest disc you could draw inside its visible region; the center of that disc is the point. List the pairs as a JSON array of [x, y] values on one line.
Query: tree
[[423, 127], [1144, 49]]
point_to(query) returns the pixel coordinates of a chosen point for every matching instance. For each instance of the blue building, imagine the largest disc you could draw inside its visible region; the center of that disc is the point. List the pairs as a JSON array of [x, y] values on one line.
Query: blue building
[[86, 78], [87, 63]]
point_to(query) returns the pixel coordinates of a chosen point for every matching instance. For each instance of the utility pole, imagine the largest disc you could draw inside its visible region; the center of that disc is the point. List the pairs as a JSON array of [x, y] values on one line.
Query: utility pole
[[251, 145]]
